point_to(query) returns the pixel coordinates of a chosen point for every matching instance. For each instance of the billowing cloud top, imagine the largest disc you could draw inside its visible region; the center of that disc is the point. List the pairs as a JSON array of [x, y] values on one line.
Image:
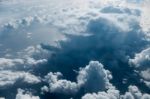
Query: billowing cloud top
[[62, 49]]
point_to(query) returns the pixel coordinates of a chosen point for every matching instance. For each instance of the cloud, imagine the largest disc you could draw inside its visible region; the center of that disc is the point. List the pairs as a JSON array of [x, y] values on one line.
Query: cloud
[[30, 31], [118, 10], [10, 63], [108, 31], [22, 95], [110, 94], [145, 16], [133, 93], [111, 40], [92, 78], [141, 62], [9, 78], [32, 56], [142, 59], [57, 85]]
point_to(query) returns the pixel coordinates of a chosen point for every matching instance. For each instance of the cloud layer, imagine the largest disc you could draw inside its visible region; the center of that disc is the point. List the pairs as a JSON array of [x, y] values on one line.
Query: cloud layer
[[45, 47]]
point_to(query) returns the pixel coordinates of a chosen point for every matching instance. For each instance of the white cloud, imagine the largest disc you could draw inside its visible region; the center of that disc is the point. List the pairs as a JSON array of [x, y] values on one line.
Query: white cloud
[[48, 26], [25, 33], [22, 95], [110, 94], [44, 89], [142, 59], [10, 63], [92, 78], [29, 23], [9, 78], [145, 21], [57, 85], [16, 64], [133, 93], [29, 58], [141, 62], [36, 52]]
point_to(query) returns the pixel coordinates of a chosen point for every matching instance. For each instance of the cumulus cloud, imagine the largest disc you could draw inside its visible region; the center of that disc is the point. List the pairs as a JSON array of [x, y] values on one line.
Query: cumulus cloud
[[29, 32], [141, 62], [22, 95], [111, 40], [29, 58], [9, 63], [133, 93], [142, 59], [60, 86], [145, 16], [109, 31], [110, 94], [118, 10], [9, 78], [92, 78]]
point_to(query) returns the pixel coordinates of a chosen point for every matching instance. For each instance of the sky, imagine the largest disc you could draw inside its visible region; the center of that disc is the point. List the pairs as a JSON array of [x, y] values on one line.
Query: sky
[[76, 49]]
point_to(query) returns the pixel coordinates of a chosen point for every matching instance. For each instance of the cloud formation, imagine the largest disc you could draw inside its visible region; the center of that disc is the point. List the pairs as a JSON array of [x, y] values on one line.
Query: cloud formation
[[111, 40], [141, 62], [30, 31], [92, 78], [133, 93], [22, 95], [9, 78], [45, 42], [110, 94]]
